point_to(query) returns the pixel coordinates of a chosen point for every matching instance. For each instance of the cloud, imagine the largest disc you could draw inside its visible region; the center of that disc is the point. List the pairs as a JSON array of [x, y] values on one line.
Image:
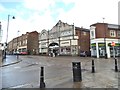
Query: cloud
[[85, 13], [39, 5], [2, 8], [44, 14]]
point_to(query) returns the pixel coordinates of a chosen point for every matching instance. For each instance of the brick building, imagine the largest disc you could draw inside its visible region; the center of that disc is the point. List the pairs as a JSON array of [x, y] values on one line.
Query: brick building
[[101, 37], [83, 39], [25, 43], [65, 39]]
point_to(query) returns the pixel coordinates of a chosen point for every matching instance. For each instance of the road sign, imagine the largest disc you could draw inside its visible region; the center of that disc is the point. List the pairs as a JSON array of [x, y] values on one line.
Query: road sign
[[113, 44]]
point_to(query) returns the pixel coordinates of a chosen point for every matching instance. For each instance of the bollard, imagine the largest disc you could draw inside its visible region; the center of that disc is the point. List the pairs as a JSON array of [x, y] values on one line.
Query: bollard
[[93, 67], [17, 56], [77, 75], [116, 68], [42, 83]]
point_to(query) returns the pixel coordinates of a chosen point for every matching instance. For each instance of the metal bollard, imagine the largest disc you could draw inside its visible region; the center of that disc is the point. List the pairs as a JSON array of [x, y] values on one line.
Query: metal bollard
[[42, 83], [17, 56], [93, 67], [116, 68], [77, 75]]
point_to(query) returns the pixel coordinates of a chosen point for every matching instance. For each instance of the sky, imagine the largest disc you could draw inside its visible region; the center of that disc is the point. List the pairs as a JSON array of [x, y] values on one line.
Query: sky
[[36, 15]]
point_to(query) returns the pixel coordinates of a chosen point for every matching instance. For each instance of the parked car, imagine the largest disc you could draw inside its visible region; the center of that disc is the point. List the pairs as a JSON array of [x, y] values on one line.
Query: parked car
[[23, 53], [16, 53], [83, 54]]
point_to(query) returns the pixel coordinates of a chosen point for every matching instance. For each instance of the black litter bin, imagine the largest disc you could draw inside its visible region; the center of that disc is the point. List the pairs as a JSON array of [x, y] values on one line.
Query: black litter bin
[[77, 76]]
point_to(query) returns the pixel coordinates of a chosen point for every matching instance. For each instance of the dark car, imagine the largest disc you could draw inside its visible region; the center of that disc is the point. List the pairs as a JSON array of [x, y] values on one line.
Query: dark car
[[83, 54]]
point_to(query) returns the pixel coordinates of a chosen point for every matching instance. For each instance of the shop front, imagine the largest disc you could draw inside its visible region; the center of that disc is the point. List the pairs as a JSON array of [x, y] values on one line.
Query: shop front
[[98, 49], [114, 50]]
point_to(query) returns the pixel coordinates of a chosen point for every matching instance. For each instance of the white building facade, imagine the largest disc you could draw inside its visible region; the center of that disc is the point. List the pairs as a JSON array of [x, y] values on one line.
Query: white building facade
[[60, 38]]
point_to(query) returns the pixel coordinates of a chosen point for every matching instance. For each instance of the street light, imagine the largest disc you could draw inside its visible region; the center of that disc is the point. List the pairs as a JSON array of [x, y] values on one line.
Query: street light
[[17, 44], [105, 39], [7, 35], [59, 25]]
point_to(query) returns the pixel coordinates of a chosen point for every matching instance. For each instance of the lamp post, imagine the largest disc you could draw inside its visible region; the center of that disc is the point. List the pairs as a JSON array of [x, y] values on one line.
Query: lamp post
[[17, 44], [59, 35], [105, 39], [7, 36], [48, 43]]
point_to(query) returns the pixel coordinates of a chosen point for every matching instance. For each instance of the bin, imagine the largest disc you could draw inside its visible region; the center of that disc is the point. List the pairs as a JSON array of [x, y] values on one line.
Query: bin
[[77, 75]]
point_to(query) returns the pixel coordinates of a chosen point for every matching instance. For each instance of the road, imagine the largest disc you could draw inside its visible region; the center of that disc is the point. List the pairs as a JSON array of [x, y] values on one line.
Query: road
[[58, 73]]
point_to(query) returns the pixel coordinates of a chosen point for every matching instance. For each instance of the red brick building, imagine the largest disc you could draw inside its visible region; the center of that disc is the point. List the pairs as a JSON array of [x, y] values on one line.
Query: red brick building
[[83, 39], [25, 43], [101, 37]]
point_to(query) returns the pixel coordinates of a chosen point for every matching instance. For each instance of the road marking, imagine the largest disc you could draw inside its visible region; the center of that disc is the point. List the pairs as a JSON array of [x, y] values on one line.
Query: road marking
[[23, 85]]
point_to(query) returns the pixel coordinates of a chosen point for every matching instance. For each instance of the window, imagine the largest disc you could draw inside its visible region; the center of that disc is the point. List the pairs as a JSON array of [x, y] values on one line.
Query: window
[[84, 33], [118, 33], [92, 34], [26, 41], [76, 33], [112, 33]]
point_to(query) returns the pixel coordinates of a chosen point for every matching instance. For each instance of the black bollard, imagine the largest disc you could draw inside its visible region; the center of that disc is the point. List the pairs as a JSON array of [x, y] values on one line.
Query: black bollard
[[93, 67], [116, 68], [42, 83], [77, 75]]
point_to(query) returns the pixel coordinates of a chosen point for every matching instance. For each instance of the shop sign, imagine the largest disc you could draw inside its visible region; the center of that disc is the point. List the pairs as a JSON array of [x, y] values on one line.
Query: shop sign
[[93, 44], [113, 44], [101, 44], [116, 44]]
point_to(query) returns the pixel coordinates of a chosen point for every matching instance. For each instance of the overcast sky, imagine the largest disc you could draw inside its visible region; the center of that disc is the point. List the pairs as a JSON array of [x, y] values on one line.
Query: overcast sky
[[31, 15]]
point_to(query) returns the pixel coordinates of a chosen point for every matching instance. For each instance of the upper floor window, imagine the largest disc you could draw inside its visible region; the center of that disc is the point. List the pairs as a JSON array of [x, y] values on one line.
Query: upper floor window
[[26, 41], [92, 32], [112, 33], [118, 33], [84, 33]]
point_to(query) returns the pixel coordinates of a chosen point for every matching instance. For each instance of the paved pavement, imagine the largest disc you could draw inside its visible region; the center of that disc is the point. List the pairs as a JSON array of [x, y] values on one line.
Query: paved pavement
[[10, 60], [104, 76]]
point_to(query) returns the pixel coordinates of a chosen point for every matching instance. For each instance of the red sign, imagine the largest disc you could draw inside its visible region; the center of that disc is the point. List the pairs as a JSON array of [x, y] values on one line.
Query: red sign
[[113, 44]]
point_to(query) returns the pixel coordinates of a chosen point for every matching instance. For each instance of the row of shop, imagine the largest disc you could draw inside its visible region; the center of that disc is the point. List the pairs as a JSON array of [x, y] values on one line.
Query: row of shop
[[68, 49], [98, 48]]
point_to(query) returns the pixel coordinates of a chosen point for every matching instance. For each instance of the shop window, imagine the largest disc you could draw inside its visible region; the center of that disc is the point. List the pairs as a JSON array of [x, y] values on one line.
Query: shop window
[[62, 50], [68, 49]]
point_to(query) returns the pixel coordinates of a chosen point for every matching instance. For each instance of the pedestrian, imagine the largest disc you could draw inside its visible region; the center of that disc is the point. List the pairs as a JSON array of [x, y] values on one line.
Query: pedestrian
[[54, 52]]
